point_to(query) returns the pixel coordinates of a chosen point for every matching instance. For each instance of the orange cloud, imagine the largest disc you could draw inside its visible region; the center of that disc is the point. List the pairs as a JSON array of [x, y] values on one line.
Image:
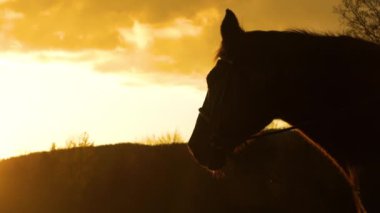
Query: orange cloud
[[77, 24], [149, 36], [142, 34]]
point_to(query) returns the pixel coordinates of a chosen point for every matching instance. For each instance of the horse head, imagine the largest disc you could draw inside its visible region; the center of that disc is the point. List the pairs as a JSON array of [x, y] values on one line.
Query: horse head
[[235, 107]]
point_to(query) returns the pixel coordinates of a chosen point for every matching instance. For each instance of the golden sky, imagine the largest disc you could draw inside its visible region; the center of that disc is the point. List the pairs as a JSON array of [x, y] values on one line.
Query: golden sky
[[120, 69]]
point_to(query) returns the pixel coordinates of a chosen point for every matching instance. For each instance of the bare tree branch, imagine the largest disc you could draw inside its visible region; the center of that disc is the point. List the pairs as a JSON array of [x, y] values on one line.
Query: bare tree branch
[[361, 18]]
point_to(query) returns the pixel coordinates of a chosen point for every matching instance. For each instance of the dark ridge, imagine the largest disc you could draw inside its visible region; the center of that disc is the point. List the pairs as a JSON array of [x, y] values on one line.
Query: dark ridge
[[283, 174]]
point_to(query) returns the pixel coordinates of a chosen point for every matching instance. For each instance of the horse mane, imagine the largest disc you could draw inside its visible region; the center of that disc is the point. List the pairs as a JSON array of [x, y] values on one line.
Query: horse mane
[[303, 35]]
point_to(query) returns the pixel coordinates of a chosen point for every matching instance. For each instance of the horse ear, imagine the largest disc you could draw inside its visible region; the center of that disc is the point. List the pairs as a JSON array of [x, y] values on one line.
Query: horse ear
[[230, 28]]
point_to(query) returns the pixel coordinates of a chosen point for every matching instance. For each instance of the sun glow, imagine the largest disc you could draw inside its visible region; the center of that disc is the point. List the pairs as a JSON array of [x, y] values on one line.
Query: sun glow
[[50, 101]]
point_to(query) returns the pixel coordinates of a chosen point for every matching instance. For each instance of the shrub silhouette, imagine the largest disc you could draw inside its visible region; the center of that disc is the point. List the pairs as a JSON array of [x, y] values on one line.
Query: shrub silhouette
[[82, 141], [168, 138]]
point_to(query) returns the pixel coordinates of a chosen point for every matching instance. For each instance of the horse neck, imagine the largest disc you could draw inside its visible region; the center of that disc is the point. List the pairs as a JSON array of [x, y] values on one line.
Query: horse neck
[[305, 98], [336, 123], [316, 80], [328, 94]]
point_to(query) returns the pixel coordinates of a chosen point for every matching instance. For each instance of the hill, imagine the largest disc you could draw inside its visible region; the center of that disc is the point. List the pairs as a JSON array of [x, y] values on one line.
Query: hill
[[271, 175]]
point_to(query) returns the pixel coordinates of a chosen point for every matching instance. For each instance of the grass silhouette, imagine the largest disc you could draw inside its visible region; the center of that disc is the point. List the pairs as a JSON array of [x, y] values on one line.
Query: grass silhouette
[[168, 138]]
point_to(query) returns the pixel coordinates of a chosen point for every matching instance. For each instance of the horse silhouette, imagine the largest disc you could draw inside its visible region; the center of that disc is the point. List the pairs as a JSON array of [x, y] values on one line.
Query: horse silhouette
[[327, 86]]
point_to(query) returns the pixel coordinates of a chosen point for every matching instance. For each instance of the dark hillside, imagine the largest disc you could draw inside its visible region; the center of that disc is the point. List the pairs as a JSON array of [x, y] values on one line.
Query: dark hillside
[[118, 178], [137, 178]]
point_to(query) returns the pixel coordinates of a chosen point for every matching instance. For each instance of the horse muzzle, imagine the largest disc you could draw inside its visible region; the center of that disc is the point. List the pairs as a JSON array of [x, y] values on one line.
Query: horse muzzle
[[203, 149]]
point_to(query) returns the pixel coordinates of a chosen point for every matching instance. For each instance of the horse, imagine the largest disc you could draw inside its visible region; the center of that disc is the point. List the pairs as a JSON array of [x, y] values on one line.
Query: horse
[[327, 86]]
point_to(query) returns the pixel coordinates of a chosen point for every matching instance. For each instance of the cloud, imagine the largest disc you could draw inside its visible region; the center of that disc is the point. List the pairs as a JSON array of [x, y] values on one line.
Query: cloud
[[139, 35], [285, 14], [176, 46], [10, 15], [8, 43], [78, 24], [143, 34], [7, 24], [152, 36], [180, 27]]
